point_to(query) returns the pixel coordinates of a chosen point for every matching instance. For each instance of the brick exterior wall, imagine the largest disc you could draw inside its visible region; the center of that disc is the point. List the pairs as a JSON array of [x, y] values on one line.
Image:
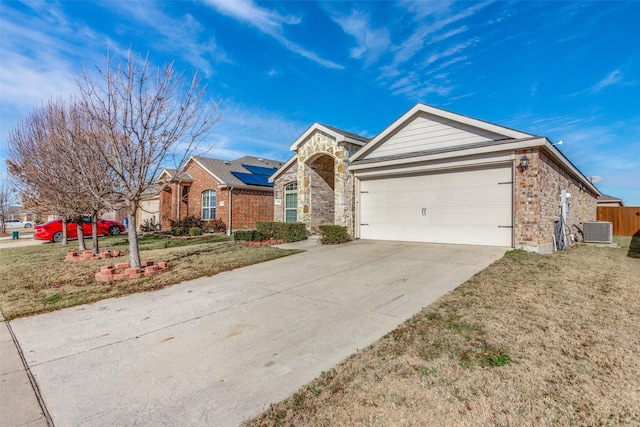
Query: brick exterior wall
[[248, 206], [537, 201], [166, 205], [286, 178], [322, 204]]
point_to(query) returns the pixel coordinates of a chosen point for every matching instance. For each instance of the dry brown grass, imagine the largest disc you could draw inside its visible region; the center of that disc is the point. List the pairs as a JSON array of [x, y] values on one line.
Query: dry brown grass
[[35, 279], [530, 341]]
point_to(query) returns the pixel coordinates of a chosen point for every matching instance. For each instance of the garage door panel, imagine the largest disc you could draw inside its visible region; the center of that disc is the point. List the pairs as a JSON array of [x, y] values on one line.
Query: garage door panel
[[466, 207]]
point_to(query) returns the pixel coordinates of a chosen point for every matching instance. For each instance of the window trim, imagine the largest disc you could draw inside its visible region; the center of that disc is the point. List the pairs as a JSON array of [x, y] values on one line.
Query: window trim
[[288, 189], [211, 207]]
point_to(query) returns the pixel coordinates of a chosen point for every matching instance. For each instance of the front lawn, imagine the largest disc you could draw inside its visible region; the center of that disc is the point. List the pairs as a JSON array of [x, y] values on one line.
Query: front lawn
[[35, 279], [532, 340]]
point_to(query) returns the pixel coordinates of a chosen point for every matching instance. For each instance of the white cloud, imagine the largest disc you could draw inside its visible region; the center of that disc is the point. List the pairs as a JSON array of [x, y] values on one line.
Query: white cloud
[[414, 43], [414, 85], [612, 78], [254, 131], [452, 50], [371, 43], [448, 34], [269, 22], [179, 35]]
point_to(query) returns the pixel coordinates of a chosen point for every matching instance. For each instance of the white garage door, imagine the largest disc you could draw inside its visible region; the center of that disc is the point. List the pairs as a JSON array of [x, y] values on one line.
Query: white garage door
[[471, 206]]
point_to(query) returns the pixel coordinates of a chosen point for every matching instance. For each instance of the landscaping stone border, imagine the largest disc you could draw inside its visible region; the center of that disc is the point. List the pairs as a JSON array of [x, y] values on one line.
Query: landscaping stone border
[[269, 242], [122, 271], [88, 255]]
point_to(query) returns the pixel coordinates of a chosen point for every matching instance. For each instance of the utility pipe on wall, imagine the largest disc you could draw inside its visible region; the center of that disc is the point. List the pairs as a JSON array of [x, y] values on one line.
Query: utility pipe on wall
[[229, 208], [564, 211]]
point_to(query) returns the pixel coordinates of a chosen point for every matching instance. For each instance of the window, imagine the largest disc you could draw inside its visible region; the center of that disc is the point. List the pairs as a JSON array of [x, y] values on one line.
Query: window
[[291, 202], [208, 204]]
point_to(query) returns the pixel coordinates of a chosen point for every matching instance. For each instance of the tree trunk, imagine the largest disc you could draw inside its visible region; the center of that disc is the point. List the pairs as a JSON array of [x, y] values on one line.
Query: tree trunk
[[134, 251], [81, 245], [94, 233], [65, 238]]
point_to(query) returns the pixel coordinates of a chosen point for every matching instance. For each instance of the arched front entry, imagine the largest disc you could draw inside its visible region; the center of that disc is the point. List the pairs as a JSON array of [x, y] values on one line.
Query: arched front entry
[[321, 173], [325, 186]]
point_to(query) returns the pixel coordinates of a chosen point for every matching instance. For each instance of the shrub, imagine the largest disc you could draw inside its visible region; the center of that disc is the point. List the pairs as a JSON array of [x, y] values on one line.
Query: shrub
[[150, 224], [195, 231], [183, 226], [333, 234], [215, 226], [248, 235], [289, 231]]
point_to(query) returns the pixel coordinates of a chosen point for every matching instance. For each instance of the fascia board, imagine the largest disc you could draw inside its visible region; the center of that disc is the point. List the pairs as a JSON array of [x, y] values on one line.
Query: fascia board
[[560, 157], [511, 145], [283, 168], [317, 126], [452, 163], [246, 187], [423, 108], [206, 170], [539, 142]]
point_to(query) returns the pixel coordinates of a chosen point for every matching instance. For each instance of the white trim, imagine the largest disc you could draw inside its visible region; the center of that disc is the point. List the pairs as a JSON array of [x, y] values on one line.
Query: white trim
[[317, 126], [283, 168], [426, 109], [529, 143], [215, 204], [203, 168], [285, 192], [467, 162]]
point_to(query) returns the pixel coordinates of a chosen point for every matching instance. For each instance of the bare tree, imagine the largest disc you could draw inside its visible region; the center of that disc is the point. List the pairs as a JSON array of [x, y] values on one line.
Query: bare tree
[[8, 198], [42, 163], [75, 133], [147, 117]]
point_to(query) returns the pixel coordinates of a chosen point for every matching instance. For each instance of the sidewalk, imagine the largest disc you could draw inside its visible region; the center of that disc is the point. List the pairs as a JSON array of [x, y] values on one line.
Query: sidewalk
[[18, 403]]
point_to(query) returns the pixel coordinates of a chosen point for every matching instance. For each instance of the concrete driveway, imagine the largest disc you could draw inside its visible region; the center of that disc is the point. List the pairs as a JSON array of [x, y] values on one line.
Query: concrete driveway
[[218, 350]]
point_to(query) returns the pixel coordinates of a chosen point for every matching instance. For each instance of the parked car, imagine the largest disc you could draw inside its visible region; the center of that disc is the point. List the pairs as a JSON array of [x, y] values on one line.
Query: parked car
[[52, 231], [16, 223]]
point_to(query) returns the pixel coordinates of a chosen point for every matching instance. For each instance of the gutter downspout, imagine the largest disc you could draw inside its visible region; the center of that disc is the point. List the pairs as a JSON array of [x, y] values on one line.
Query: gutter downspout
[[179, 197], [230, 206]]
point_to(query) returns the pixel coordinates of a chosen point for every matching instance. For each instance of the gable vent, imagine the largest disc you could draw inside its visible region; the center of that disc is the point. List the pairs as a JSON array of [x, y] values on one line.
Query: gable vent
[[598, 232]]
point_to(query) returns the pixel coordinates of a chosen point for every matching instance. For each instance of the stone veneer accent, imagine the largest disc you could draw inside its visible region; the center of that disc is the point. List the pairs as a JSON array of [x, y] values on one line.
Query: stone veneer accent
[[286, 178], [537, 201], [314, 159]]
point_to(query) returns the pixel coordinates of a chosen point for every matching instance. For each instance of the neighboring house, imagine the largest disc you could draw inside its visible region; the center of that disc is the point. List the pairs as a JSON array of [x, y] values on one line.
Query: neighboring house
[[149, 206], [607, 200], [236, 192], [433, 176]]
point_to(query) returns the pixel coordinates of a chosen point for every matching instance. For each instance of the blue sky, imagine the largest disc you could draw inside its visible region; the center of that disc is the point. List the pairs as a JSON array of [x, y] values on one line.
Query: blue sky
[[568, 71]]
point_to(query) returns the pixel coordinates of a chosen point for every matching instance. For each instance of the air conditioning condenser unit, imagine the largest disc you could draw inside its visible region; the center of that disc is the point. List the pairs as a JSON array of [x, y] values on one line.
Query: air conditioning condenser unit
[[598, 232]]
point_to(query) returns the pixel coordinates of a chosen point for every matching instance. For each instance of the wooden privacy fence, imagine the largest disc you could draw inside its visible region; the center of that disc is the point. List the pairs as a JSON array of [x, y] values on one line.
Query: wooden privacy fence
[[625, 219]]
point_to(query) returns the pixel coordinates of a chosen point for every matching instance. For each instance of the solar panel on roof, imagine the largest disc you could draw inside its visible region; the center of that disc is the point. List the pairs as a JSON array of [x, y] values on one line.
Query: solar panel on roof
[[260, 170], [251, 179]]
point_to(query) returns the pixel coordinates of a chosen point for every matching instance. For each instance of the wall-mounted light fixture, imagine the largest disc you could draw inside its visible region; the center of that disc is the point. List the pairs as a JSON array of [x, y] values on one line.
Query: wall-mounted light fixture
[[524, 163]]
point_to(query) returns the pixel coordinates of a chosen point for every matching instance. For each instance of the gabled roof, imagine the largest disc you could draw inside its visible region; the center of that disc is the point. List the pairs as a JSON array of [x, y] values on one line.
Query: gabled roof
[[420, 108], [611, 199], [246, 172], [348, 135], [175, 175], [504, 138], [335, 133]]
